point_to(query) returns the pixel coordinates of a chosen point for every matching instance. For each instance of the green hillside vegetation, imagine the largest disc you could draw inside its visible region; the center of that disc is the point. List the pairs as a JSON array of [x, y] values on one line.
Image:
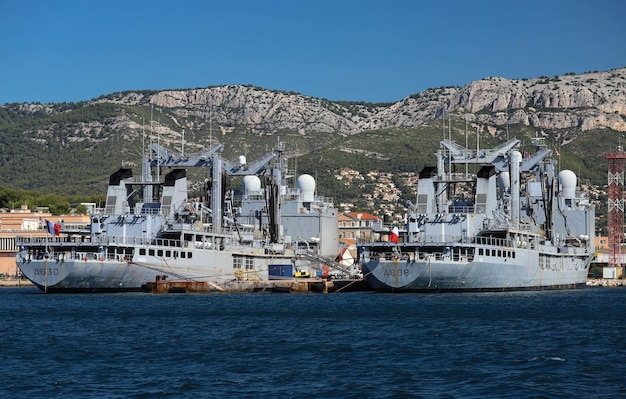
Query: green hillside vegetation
[[59, 150], [57, 204], [45, 152]]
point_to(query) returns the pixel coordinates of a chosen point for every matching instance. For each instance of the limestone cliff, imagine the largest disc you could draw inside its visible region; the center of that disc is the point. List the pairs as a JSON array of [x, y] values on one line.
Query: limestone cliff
[[579, 102], [583, 102]]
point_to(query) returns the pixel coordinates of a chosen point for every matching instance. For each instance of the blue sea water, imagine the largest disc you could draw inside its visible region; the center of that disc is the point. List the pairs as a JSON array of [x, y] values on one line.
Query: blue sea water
[[553, 344]]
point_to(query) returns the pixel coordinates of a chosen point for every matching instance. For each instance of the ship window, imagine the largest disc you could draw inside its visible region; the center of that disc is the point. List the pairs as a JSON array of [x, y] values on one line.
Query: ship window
[[142, 251], [237, 261], [160, 253], [499, 253], [182, 255], [189, 255], [249, 263], [168, 254], [513, 254], [151, 252], [480, 251]]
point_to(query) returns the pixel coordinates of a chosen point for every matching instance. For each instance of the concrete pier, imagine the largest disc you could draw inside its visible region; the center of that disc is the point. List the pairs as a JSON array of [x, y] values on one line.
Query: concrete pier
[[299, 285]]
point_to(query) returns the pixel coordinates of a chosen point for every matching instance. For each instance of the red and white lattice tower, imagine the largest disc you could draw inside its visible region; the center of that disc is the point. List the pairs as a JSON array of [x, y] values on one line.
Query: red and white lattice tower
[[616, 205]]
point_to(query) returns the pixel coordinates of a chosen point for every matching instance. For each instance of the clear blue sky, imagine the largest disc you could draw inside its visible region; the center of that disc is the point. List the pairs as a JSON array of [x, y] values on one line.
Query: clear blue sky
[[375, 51]]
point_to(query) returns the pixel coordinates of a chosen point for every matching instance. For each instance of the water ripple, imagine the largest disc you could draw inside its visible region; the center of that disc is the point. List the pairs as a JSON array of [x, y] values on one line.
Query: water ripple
[[349, 345]]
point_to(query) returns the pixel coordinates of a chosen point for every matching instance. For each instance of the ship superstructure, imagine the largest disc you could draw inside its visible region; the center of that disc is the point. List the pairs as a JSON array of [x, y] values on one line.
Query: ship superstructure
[[151, 230], [515, 224]]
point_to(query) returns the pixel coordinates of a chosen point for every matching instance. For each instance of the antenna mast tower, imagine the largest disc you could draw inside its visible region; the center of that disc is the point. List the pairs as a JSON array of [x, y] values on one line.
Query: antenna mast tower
[[616, 160]]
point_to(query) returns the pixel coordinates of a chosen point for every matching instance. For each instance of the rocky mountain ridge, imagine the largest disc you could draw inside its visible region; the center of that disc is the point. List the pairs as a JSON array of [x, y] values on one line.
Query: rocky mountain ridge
[[46, 142], [593, 100], [579, 102]]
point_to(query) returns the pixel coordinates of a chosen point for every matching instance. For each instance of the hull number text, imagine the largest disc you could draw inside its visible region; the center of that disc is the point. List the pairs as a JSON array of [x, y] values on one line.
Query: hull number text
[[50, 272], [397, 273]]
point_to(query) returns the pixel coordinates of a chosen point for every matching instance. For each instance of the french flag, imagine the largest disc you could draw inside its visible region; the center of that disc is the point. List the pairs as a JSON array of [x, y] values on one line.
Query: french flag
[[53, 228], [394, 236]]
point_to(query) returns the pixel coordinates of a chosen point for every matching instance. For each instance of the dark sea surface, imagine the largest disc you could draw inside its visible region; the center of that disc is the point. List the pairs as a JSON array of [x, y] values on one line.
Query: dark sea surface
[[553, 344]]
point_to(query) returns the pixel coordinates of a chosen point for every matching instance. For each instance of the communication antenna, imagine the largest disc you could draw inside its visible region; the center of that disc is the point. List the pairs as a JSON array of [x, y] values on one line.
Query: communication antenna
[[143, 148], [506, 114], [295, 167], [466, 148], [158, 171], [443, 132], [209, 109], [182, 149], [477, 142], [450, 141]]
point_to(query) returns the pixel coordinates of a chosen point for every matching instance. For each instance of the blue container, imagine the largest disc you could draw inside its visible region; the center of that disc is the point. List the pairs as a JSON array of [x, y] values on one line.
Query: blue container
[[280, 272]]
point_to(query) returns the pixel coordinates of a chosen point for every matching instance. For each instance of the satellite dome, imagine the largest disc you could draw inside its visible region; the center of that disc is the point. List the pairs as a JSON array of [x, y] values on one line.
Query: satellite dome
[[306, 184], [568, 180], [251, 184], [241, 160]]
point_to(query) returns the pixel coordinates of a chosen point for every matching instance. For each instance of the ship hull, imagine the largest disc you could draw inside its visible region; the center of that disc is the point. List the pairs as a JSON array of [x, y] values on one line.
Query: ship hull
[[59, 275], [439, 276], [86, 276]]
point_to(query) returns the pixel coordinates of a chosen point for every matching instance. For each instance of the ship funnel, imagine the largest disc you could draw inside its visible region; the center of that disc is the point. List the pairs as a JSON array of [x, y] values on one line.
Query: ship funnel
[[174, 191], [118, 191]]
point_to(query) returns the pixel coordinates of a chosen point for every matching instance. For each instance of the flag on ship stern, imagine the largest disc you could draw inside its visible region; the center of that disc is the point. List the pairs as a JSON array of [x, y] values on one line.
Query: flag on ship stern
[[395, 234], [53, 228]]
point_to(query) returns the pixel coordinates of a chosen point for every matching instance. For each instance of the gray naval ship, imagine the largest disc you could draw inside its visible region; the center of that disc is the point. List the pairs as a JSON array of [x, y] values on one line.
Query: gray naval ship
[[150, 230], [515, 224]]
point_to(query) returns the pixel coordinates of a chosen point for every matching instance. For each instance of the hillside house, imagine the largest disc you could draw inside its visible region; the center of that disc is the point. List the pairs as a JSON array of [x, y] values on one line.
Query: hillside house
[[357, 225]]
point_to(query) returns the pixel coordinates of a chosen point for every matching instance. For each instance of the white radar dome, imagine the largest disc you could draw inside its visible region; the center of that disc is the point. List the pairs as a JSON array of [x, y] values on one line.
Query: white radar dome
[[251, 184], [241, 160], [568, 180], [306, 184]]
